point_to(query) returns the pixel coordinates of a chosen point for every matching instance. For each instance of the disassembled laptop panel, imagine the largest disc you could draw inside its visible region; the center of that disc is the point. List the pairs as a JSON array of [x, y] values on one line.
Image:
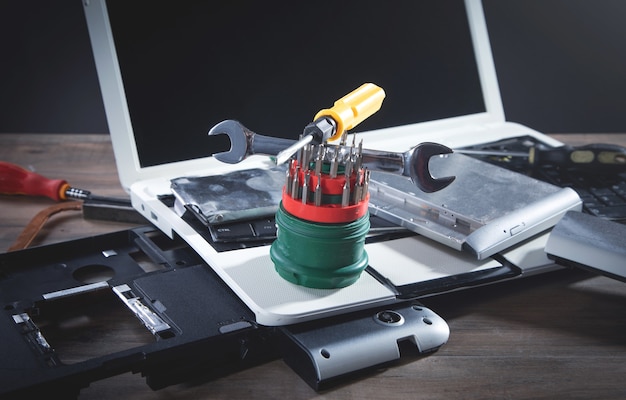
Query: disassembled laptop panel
[[182, 321]]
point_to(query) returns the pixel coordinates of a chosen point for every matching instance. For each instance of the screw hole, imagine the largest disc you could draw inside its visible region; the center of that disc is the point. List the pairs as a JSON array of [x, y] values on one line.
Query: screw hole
[[325, 353]]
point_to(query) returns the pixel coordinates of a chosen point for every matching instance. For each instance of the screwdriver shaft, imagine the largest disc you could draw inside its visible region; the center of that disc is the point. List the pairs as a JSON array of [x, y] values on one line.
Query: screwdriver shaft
[[17, 180], [493, 153], [286, 154]]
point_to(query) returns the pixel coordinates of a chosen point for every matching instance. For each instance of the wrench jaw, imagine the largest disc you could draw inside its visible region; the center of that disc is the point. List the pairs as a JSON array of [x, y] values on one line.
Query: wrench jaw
[[239, 141], [419, 170], [244, 142]]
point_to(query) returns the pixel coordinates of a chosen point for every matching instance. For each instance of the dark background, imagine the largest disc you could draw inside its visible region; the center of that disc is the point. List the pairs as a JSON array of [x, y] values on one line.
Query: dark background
[[561, 65]]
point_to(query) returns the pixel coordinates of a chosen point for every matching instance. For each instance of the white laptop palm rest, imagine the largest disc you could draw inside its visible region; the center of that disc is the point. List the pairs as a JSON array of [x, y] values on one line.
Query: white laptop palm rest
[[169, 72]]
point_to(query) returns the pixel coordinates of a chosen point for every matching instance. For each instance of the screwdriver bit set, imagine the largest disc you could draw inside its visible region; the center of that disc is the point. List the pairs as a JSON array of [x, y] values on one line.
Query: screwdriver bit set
[[328, 175], [323, 217]]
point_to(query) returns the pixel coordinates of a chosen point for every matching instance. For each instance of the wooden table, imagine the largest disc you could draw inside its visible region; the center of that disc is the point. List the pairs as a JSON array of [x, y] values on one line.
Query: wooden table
[[558, 335]]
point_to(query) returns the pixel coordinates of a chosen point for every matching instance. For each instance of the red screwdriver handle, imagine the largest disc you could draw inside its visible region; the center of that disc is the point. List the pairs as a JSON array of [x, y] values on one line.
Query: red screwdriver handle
[[17, 180]]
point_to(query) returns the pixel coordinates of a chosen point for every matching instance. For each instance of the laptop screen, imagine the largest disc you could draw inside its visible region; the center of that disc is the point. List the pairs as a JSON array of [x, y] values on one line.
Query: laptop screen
[[273, 65]]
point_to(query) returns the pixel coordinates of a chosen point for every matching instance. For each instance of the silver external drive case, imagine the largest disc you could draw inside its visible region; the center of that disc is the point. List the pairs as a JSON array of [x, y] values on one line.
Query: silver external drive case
[[485, 210]]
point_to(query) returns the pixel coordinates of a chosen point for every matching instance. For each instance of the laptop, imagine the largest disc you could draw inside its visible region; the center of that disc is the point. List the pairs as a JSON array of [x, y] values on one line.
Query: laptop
[[170, 72]]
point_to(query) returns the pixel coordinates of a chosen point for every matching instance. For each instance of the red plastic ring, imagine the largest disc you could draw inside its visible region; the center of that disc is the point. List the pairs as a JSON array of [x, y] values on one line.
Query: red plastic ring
[[328, 213]]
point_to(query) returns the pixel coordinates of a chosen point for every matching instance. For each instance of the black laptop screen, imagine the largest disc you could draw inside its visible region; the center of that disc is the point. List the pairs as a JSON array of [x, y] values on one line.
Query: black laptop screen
[[273, 65]]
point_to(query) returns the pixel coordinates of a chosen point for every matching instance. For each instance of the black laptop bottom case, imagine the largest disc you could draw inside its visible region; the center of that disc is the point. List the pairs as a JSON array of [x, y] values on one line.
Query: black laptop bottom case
[[65, 306], [63, 303]]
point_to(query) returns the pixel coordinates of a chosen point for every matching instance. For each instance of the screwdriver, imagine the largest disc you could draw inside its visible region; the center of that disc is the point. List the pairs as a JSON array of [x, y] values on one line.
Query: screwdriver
[[346, 113], [17, 180], [595, 156]]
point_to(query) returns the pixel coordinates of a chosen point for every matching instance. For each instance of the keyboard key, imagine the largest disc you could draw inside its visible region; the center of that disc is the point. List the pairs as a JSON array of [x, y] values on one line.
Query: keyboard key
[[611, 200], [614, 212], [620, 189], [232, 232], [602, 191], [264, 229]]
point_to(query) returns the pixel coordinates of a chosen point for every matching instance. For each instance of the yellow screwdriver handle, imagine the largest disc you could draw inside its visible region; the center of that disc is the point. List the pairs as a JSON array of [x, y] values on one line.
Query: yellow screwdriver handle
[[354, 108]]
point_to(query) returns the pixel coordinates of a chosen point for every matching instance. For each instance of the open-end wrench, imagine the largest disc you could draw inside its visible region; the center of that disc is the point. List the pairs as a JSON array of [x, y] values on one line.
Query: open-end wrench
[[412, 163], [244, 142]]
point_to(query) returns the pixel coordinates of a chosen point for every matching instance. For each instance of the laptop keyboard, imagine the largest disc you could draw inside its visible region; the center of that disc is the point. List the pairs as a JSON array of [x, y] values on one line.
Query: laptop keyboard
[[603, 194]]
